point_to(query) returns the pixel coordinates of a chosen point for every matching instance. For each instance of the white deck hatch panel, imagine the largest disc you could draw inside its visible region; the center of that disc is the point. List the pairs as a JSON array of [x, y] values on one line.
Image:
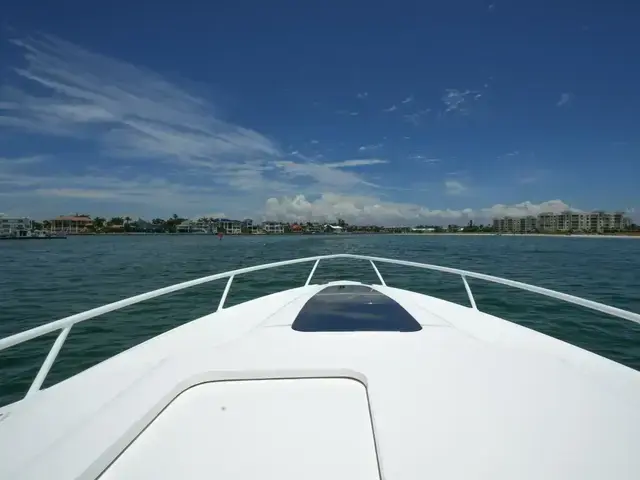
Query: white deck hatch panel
[[315, 428]]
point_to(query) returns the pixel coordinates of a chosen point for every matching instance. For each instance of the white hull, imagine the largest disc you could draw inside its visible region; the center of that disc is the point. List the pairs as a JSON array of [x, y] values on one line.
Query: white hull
[[270, 389]]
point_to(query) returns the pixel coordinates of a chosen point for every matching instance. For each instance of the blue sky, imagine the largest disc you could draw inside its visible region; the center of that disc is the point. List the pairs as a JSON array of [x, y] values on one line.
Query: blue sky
[[403, 112]]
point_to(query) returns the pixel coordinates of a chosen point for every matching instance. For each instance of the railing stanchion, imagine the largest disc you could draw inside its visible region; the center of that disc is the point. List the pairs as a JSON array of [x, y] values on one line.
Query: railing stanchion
[[227, 287], [48, 362], [378, 273], [313, 270], [468, 289]]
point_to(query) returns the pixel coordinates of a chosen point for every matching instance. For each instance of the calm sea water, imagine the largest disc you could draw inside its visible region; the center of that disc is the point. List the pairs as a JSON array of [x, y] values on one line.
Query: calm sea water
[[42, 281]]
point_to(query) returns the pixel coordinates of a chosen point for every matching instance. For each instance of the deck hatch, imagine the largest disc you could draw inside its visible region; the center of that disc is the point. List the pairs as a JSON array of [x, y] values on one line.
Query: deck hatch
[[353, 308]]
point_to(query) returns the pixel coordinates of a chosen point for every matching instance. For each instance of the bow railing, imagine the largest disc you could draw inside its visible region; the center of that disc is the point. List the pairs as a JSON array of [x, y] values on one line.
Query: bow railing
[[64, 325]]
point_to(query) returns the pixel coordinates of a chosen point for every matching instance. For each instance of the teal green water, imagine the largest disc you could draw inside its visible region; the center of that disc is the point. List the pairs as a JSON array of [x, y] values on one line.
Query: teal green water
[[42, 281]]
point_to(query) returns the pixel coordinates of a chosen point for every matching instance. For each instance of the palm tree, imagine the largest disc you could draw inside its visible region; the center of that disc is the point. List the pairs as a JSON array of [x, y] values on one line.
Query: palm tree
[[98, 223]]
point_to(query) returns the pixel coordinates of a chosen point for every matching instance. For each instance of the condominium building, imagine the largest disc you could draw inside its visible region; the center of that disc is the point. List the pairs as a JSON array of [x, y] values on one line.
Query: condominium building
[[526, 224], [567, 221], [273, 227], [14, 226]]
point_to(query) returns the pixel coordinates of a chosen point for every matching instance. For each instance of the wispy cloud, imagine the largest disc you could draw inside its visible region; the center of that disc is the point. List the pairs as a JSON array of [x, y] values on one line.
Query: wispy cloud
[[314, 142], [392, 108], [416, 118], [458, 100], [362, 95], [131, 112], [122, 116], [454, 187], [424, 158], [565, 99], [348, 113], [11, 162], [365, 148], [355, 163], [513, 153], [528, 179], [409, 99]]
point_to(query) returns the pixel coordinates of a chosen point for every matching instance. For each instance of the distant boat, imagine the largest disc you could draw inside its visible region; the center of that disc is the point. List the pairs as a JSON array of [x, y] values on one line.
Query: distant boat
[[32, 235]]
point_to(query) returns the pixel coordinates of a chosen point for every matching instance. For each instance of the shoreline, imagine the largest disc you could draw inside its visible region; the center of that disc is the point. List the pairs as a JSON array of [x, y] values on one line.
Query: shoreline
[[558, 235], [416, 234]]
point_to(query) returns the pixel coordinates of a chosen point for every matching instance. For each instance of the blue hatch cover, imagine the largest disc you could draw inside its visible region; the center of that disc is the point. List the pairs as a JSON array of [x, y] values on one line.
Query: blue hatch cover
[[353, 308]]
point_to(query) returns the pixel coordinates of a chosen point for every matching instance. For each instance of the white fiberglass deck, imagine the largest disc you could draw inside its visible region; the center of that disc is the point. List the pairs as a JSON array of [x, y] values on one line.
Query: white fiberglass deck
[[254, 428], [275, 388]]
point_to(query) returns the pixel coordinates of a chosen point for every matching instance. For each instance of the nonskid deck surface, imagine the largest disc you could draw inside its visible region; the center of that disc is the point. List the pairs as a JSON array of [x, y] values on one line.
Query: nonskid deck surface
[[241, 393], [450, 393]]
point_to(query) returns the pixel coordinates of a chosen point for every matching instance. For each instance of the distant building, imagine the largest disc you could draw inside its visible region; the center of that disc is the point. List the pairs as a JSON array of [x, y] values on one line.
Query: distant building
[[71, 223], [526, 224], [567, 221], [194, 226], [273, 227], [228, 226], [14, 226], [313, 228], [141, 225]]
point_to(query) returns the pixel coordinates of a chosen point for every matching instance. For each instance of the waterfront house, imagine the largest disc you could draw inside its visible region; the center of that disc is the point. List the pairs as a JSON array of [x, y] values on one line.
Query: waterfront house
[[14, 226], [194, 226], [71, 223], [229, 226]]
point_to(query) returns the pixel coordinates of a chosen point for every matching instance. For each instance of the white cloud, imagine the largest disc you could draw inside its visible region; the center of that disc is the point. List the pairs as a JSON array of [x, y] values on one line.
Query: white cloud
[[314, 142], [457, 100], [390, 109], [409, 99], [416, 118], [565, 99], [355, 163], [424, 159], [454, 187], [131, 112], [370, 210], [8, 163], [364, 148], [363, 95], [133, 118]]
